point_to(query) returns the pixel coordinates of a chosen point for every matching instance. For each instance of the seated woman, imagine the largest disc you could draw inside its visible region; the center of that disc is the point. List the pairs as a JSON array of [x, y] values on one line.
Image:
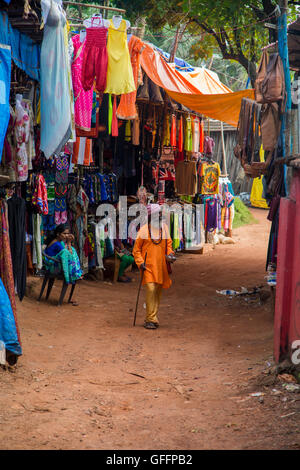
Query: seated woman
[[126, 260], [61, 257]]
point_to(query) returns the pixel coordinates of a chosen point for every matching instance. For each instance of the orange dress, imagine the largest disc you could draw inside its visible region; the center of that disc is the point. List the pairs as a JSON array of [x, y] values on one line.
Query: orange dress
[[156, 256], [127, 108]]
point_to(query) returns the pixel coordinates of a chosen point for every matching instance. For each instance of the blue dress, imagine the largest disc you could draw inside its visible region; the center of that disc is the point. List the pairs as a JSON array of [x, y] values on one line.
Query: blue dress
[[54, 249], [56, 124], [8, 329]]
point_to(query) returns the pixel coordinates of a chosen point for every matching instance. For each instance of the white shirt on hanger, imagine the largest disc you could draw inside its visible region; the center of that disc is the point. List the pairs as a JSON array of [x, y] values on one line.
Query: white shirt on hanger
[[96, 21], [117, 19]]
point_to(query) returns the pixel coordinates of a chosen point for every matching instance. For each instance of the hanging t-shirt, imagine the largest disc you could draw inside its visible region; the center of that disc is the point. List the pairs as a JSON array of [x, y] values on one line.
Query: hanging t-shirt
[[186, 178], [210, 173]]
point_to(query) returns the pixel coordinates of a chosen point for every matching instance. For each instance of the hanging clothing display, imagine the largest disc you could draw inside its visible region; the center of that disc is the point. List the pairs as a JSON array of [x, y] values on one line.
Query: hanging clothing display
[[40, 196], [83, 99], [120, 78], [186, 178], [127, 107], [9, 161], [8, 329], [5, 73], [95, 59], [196, 134], [173, 140], [209, 174], [22, 129], [188, 146], [17, 235], [82, 151], [6, 266], [56, 122]]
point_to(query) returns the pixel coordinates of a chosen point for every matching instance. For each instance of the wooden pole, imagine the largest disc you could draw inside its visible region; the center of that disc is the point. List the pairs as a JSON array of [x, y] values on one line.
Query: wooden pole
[[99, 7], [223, 150]]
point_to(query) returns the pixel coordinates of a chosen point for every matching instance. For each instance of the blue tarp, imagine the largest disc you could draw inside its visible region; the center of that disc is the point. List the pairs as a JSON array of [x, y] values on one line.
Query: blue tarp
[[25, 52], [180, 64], [5, 73]]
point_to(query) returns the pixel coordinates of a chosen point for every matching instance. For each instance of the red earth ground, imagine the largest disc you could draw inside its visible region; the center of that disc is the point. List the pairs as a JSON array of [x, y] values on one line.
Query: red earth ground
[[88, 379]]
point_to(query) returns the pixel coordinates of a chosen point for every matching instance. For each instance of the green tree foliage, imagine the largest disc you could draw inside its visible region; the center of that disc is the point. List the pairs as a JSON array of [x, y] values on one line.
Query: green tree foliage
[[233, 28]]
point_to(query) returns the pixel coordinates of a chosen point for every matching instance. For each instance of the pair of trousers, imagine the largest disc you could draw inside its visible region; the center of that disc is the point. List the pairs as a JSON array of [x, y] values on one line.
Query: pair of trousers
[[126, 261], [95, 59], [153, 296]]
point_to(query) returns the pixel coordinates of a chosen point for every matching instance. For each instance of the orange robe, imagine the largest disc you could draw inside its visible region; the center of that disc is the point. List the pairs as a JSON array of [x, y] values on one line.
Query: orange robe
[[127, 108], [156, 256]]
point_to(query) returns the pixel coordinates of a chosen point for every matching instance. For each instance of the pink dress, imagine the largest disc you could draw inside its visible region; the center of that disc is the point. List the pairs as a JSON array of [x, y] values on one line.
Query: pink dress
[[83, 99]]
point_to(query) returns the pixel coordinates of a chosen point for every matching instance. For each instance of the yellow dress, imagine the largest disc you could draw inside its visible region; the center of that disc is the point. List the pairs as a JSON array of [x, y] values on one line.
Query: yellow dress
[[119, 69]]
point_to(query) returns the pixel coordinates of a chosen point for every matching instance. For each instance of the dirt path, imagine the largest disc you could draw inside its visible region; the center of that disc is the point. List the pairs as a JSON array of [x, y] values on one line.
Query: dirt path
[[89, 380]]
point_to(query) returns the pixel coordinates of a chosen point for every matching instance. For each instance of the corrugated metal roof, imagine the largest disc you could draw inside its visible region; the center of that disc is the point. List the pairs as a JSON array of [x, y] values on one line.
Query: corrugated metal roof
[[215, 126]]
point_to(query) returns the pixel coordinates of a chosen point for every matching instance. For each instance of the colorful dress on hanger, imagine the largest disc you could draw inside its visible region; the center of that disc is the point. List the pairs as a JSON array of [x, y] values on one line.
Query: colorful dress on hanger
[[22, 134], [9, 149], [56, 119], [188, 141], [83, 99], [120, 78], [127, 108], [94, 62], [6, 266], [196, 134]]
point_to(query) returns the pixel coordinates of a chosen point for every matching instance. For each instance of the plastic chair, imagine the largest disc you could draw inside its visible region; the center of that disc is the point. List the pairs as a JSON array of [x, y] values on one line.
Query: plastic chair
[[50, 278]]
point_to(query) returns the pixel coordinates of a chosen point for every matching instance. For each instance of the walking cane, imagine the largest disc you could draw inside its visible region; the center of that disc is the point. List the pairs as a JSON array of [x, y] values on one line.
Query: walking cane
[[138, 296]]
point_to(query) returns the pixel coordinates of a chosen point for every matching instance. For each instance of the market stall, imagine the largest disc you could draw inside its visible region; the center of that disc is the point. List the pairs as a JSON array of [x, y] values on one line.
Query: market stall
[[92, 113]]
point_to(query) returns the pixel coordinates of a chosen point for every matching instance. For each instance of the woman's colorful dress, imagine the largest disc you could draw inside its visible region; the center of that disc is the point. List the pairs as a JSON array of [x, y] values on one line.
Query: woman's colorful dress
[[119, 70], [83, 99]]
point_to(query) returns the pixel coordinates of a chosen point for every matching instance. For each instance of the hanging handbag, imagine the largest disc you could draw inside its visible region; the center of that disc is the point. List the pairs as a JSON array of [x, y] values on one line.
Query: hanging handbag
[[260, 76], [167, 154]]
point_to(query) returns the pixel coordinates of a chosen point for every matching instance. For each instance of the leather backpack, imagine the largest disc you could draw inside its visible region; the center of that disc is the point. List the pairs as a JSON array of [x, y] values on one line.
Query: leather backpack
[[270, 126], [273, 85], [260, 76]]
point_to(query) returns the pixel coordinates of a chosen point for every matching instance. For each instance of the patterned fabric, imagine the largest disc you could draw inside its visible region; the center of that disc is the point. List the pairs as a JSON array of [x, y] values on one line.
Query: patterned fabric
[[22, 133], [56, 115], [210, 173], [66, 263], [6, 269], [83, 99], [82, 151], [8, 329], [62, 169], [40, 196]]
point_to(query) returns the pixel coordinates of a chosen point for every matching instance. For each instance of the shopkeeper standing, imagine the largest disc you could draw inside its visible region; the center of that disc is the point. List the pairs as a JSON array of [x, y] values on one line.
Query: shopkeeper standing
[[153, 239]]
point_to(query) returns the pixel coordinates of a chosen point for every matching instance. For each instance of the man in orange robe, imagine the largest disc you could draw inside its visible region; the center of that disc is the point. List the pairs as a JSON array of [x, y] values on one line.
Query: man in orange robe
[[157, 243]]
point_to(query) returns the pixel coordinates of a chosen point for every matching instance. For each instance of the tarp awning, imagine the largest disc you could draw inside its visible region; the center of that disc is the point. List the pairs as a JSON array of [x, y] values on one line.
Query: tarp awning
[[200, 91]]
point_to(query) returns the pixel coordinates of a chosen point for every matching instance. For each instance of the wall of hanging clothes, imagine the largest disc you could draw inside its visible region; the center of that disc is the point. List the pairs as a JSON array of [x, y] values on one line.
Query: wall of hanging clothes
[[90, 127]]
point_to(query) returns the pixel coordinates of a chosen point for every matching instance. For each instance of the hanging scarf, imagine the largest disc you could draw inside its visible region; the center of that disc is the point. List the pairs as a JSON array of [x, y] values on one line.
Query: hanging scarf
[[114, 124], [180, 135], [6, 269], [173, 131], [40, 195]]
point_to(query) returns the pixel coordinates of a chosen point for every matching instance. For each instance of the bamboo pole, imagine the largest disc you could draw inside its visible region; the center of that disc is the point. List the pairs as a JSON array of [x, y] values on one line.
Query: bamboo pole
[[99, 7], [223, 150]]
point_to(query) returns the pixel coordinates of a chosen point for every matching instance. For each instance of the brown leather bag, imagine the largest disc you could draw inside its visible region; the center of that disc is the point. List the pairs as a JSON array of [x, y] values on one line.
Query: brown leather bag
[[273, 85], [260, 76], [270, 125]]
